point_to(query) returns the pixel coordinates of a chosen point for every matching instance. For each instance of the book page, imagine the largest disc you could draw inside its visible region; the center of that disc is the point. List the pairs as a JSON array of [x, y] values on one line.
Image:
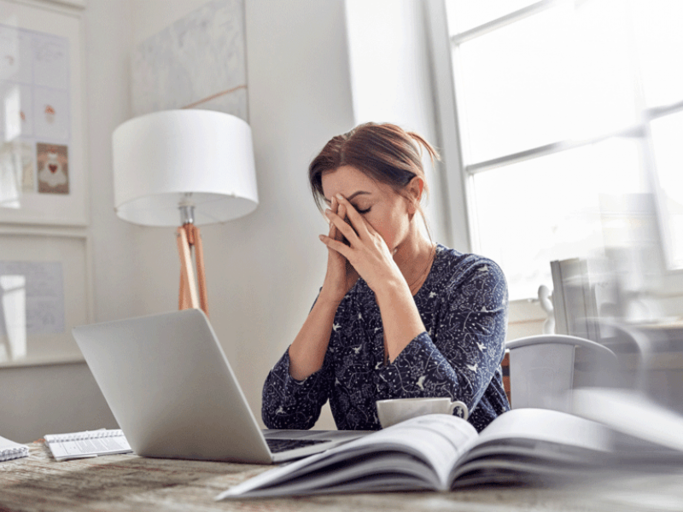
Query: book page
[[631, 413], [536, 444], [510, 469], [441, 438], [419, 453], [342, 477], [550, 426]]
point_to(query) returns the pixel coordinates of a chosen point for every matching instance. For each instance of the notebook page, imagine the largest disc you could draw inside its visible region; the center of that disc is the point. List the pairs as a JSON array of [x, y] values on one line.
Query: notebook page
[[87, 444], [10, 450]]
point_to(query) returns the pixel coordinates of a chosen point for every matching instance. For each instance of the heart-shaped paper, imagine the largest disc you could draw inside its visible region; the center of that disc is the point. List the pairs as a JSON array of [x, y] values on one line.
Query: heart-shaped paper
[[52, 167]]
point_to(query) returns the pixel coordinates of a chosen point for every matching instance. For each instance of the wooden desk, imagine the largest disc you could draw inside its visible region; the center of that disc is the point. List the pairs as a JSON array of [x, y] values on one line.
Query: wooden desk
[[127, 482]]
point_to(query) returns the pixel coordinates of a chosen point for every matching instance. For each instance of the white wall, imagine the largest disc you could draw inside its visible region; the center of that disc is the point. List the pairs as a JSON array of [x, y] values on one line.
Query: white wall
[[50, 399], [108, 41]]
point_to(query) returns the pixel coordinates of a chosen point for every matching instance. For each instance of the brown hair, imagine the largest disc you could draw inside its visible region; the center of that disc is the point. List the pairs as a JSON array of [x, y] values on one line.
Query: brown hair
[[383, 152]]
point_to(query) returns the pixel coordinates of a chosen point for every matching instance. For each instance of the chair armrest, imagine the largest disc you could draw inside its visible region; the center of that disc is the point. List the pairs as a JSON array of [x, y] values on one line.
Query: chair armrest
[[559, 339]]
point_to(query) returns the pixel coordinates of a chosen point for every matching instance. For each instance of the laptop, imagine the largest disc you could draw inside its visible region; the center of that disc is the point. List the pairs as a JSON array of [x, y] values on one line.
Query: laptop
[[172, 391]]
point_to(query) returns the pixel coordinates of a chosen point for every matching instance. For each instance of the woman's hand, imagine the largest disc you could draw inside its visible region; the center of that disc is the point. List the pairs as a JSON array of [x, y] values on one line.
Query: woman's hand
[[367, 251], [340, 276]]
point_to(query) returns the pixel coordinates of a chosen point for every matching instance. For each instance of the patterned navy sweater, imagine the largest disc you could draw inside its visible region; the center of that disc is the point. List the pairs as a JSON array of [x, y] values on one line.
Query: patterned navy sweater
[[463, 305]]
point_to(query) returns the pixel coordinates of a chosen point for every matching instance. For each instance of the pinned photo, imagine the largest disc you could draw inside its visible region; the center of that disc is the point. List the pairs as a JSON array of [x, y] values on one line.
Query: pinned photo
[[53, 168]]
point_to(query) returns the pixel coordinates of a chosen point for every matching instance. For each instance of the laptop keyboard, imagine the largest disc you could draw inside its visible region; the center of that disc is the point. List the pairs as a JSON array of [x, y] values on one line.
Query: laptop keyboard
[[282, 445]]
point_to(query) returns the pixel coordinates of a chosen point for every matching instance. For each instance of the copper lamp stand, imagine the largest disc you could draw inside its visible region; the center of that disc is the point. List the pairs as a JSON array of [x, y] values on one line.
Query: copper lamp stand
[[192, 294]]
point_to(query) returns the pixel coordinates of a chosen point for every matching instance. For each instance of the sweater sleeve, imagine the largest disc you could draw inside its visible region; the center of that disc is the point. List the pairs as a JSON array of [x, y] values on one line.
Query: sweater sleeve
[[459, 359], [290, 403]]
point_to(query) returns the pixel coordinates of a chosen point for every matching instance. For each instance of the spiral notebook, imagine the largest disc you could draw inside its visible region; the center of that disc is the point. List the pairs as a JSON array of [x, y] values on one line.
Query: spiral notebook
[[90, 443], [10, 450]]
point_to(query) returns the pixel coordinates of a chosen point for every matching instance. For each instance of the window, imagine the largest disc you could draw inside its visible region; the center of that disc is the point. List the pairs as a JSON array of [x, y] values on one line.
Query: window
[[569, 112]]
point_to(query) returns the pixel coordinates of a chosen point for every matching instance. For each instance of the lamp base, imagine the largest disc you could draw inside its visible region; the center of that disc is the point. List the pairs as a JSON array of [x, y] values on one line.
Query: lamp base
[[192, 294]]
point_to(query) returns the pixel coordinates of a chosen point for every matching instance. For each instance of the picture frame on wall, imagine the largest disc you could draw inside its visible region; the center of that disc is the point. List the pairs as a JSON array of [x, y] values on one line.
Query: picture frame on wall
[[42, 149], [46, 290]]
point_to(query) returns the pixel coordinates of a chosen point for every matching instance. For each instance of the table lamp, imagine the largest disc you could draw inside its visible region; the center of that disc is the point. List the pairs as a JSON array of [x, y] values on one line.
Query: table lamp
[[187, 168]]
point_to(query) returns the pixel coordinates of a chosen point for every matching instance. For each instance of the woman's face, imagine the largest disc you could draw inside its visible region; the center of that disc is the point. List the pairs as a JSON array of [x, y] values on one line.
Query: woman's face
[[385, 210]]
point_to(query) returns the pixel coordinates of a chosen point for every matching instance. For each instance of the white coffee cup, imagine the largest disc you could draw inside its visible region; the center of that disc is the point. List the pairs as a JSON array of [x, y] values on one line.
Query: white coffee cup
[[396, 410]]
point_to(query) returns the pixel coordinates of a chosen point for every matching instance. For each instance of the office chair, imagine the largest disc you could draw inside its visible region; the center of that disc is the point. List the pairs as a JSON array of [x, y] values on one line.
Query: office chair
[[542, 369]]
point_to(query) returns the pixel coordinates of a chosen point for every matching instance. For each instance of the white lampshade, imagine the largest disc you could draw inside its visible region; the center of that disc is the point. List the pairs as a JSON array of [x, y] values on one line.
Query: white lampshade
[[197, 158]]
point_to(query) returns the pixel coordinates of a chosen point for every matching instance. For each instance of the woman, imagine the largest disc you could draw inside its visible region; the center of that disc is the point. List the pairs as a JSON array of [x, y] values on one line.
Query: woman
[[397, 316]]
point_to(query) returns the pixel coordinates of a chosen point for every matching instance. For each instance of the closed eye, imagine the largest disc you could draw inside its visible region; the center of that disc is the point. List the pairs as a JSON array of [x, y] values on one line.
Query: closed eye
[[363, 211]]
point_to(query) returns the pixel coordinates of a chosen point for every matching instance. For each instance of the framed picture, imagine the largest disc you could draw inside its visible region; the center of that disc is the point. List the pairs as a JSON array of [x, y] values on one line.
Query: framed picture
[[42, 162], [45, 291]]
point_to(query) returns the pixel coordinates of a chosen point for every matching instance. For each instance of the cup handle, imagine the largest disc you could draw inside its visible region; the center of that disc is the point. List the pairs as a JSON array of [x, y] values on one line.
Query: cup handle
[[462, 411]]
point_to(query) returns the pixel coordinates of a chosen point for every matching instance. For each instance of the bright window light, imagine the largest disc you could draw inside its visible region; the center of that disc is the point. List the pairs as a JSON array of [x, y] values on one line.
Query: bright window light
[[563, 106], [667, 133], [470, 13], [548, 208], [659, 46]]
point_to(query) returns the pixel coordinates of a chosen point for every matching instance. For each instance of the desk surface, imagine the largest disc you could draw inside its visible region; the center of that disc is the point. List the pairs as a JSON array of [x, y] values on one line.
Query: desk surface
[[127, 482]]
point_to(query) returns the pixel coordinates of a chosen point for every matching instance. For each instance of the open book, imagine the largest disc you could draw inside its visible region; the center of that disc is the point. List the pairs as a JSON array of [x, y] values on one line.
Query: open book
[[440, 452], [650, 430]]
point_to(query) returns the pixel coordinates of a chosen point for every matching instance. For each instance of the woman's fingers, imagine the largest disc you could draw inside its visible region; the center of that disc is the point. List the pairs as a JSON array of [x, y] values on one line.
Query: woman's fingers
[[333, 207], [336, 245], [357, 221], [342, 226], [341, 212]]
